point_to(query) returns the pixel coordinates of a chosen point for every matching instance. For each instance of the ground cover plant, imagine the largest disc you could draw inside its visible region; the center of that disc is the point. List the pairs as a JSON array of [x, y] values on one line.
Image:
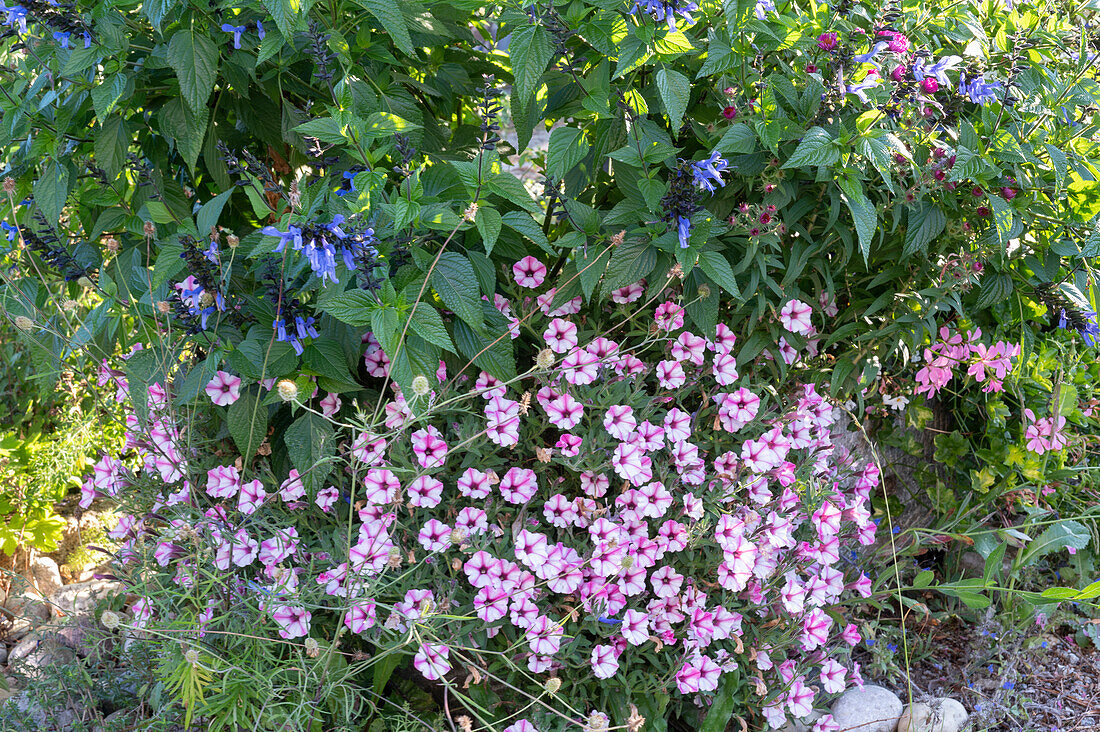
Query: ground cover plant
[[394, 423]]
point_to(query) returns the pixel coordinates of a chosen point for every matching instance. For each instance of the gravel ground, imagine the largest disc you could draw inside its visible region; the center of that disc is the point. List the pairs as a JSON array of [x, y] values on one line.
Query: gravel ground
[[1041, 682]]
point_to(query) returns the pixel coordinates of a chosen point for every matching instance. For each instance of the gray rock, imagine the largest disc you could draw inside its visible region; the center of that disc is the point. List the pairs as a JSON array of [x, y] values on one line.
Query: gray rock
[[870, 709], [80, 598], [46, 575], [36, 717], [940, 715], [3, 654]]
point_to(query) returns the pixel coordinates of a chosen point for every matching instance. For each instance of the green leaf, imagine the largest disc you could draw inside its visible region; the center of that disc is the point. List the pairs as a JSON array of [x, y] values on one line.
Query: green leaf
[[353, 308], [456, 283], [195, 60], [286, 14], [725, 702], [389, 15], [718, 269], [326, 358], [816, 148], [187, 128], [111, 144], [631, 261], [567, 148], [497, 358], [310, 442], [427, 323], [528, 227], [51, 190], [106, 95], [675, 92], [996, 287], [156, 10], [863, 213], [739, 139], [1063, 534], [207, 216], [924, 222], [923, 579], [488, 225], [1002, 219], [247, 420], [530, 52]]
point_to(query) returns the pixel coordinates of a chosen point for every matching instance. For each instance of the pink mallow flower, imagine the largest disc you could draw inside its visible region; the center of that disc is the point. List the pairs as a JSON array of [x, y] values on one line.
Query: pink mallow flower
[[224, 389]]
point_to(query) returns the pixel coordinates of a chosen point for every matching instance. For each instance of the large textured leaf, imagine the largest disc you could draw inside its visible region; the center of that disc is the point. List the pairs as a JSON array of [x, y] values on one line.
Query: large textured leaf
[[567, 148], [530, 52], [455, 281], [247, 421], [496, 358], [310, 442], [389, 15], [924, 222], [426, 322], [675, 91], [287, 15], [194, 57], [1064, 534], [353, 308], [111, 144], [863, 213], [186, 127], [528, 227], [816, 148], [50, 191], [631, 261], [718, 269]]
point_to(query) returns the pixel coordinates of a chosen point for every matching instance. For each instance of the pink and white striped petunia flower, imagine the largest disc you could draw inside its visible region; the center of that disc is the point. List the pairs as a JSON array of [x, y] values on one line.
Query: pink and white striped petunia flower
[[293, 621], [224, 389], [431, 660], [529, 272], [795, 317]]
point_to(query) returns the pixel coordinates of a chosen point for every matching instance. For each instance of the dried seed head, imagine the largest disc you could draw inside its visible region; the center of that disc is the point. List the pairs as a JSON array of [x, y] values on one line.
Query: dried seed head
[[677, 272], [163, 307], [395, 560], [111, 244], [471, 212], [110, 619], [313, 648], [23, 323], [704, 291], [543, 454], [617, 239], [552, 685], [525, 402], [149, 229], [9, 185], [545, 359], [232, 240], [294, 195], [191, 655]]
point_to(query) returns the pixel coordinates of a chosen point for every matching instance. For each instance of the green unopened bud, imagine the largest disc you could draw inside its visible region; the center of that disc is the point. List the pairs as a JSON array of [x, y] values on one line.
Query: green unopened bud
[[421, 386], [191, 655], [312, 647], [552, 685], [704, 292]]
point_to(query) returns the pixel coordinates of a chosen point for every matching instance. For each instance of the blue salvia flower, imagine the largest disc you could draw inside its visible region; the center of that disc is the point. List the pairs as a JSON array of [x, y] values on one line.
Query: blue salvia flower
[[667, 10], [938, 70], [978, 89], [683, 230], [708, 173], [860, 89], [12, 230], [866, 58], [211, 252], [236, 30], [322, 244], [260, 30], [17, 16], [62, 37], [763, 7], [87, 39], [609, 621], [1085, 323], [303, 328], [350, 178]]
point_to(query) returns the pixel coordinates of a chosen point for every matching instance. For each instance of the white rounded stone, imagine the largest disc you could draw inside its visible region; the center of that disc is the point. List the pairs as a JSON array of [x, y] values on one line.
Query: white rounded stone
[[870, 709]]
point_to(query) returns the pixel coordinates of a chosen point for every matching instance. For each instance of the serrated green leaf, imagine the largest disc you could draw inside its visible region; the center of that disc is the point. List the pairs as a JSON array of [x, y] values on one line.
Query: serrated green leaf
[[492, 352], [247, 421], [326, 358], [675, 90], [528, 227], [427, 323], [208, 215], [311, 443], [105, 95], [390, 16], [1062, 534], [51, 190], [816, 148], [738, 139], [567, 148], [488, 224], [194, 57], [1002, 219], [924, 222], [863, 213], [631, 261], [718, 269], [110, 146], [530, 52], [456, 283]]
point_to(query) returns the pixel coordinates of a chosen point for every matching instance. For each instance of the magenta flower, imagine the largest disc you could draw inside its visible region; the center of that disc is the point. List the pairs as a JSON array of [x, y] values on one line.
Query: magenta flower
[[429, 447], [360, 617], [252, 497], [529, 272], [431, 660], [800, 698], [669, 316], [224, 389], [605, 662], [521, 726], [330, 405], [518, 485], [223, 482], [475, 484], [293, 621], [795, 317], [628, 294], [561, 336], [292, 489], [425, 492], [827, 41], [326, 497], [832, 677]]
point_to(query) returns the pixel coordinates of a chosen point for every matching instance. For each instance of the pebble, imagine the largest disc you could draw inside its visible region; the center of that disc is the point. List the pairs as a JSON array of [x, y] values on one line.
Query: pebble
[[870, 709], [940, 715], [80, 598]]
